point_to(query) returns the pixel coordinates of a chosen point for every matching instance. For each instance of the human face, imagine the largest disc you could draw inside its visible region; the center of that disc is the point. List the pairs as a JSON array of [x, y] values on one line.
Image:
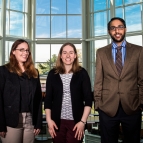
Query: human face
[[21, 52], [118, 34], [68, 55]]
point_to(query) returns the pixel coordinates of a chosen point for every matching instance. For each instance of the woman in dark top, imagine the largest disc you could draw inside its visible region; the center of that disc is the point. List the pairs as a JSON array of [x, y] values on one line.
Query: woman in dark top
[[68, 98], [20, 97]]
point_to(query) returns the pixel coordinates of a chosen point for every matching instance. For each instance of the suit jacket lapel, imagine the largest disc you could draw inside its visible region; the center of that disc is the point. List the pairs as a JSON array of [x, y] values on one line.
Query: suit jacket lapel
[[110, 58], [129, 51]]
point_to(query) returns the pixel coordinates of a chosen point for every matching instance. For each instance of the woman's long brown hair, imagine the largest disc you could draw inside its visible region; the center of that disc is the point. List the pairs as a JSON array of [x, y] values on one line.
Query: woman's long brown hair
[[13, 65], [60, 68]]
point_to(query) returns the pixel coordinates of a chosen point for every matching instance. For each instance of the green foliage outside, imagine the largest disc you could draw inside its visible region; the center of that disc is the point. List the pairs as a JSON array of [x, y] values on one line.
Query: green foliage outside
[[43, 68]]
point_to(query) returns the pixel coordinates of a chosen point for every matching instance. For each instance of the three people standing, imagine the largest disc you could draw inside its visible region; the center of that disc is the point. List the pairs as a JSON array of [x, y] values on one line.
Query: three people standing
[[118, 92]]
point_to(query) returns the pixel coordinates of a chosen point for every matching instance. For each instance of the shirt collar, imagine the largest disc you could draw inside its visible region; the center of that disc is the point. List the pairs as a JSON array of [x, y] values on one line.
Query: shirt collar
[[114, 45]]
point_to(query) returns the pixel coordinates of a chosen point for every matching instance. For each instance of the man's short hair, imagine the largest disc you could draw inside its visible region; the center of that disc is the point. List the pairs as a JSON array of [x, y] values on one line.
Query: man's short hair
[[116, 18]]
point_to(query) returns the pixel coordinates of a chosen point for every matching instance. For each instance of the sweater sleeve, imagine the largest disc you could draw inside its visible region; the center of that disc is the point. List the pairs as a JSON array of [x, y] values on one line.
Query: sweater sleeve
[[86, 87], [48, 97]]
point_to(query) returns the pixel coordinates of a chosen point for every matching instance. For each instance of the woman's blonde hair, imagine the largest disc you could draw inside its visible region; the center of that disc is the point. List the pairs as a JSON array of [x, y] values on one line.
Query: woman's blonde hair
[[60, 68], [13, 65]]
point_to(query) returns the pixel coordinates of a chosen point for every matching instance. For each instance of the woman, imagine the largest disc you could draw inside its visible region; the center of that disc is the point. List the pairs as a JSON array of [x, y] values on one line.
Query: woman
[[20, 97], [68, 98]]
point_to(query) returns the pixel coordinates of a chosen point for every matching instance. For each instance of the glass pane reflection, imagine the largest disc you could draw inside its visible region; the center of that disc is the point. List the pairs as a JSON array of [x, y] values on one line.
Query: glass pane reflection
[[100, 23], [99, 5], [8, 45], [119, 12], [42, 26], [135, 39], [15, 24], [17, 5], [133, 17], [118, 2], [74, 6], [74, 27], [58, 27], [43, 7], [131, 1], [58, 6], [42, 52]]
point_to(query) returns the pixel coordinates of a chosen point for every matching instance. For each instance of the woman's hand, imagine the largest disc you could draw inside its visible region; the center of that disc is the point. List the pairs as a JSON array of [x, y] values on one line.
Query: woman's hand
[[36, 131], [79, 127], [52, 126], [2, 134]]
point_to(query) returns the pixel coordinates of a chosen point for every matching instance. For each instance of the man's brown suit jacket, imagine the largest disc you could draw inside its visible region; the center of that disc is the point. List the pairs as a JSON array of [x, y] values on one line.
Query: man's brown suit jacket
[[110, 89]]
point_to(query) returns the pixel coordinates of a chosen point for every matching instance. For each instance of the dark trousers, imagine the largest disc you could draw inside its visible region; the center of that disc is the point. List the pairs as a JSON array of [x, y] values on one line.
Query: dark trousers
[[131, 126], [66, 133]]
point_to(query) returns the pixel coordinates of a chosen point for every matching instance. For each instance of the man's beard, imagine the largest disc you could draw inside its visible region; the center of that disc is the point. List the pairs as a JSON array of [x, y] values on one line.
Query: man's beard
[[120, 40]]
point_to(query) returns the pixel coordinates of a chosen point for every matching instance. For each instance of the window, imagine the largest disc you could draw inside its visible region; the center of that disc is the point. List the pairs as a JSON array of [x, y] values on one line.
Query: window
[[16, 18], [135, 39], [8, 45], [57, 19]]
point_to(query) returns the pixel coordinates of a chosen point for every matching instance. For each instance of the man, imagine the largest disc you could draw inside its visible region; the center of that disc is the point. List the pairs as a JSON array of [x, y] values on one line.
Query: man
[[118, 89]]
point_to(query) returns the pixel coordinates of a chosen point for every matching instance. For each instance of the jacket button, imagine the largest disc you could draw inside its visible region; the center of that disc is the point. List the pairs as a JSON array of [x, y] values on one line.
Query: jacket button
[[118, 92], [119, 80]]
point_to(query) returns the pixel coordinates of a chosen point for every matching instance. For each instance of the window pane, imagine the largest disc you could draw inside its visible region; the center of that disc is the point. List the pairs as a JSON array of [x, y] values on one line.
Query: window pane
[[135, 39], [58, 27], [119, 12], [100, 23], [42, 52], [55, 48], [17, 5], [43, 7], [42, 26], [74, 27], [16, 24], [96, 45], [58, 6], [99, 44], [74, 6], [0, 4], [99, 5], [133, 17], [79, 52], [131, 1], [118, 2], [8, 46]]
